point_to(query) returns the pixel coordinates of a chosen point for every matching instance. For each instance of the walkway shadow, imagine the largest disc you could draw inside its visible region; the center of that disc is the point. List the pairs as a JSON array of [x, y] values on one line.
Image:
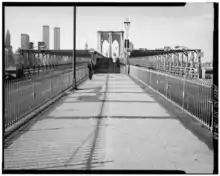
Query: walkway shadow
[[89, 88], [96, 97], [188, 122]]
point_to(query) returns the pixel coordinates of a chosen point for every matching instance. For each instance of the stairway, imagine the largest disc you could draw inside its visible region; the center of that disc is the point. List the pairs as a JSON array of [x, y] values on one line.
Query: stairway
[[106, 65]]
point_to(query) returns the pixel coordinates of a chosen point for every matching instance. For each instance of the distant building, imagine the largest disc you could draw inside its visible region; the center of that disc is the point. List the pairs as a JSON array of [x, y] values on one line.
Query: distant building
[[207, 73], [56, 38], [8, 39], [25, 41], [6, 57], [207, 64], [41, 45], [25, 44], [131, 46], [86, 46], [46, 36], [166, 48], [8, 60], [31, 45]]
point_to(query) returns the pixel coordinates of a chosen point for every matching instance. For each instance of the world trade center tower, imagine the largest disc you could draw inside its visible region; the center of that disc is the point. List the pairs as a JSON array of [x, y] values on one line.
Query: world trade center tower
[[56, 38], [46, 35]]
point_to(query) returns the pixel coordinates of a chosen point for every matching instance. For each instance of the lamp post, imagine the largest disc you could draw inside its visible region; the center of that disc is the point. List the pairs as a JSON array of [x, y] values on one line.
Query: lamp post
[[74, 55], [127, 26]]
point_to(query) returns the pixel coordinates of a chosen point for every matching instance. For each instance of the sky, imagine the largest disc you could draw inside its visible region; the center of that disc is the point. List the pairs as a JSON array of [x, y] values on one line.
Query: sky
[[31, 19], [151, 27]]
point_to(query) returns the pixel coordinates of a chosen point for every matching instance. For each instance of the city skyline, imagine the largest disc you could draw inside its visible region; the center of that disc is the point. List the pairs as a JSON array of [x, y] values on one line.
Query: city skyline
[[189, 26], [35, 27]]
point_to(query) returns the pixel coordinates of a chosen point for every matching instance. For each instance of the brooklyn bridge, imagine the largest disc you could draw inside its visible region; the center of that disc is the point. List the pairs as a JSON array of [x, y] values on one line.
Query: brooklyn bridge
[[143, 109]]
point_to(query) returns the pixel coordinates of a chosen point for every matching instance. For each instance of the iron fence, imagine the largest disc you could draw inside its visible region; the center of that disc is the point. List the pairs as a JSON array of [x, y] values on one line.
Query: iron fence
[[193, 97], [22, 98]]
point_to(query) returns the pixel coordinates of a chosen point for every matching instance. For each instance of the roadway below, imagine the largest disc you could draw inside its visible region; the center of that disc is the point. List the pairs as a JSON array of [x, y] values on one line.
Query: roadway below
[[111, 122], [19, 96]]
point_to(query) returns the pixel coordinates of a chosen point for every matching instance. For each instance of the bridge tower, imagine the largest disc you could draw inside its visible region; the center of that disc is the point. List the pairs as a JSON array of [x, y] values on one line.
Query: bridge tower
[[111, 36]]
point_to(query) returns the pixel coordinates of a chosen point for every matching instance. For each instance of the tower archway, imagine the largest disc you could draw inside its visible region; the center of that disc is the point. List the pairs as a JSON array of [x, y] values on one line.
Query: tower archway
[[111, 36], [115, 50], [105, 48]]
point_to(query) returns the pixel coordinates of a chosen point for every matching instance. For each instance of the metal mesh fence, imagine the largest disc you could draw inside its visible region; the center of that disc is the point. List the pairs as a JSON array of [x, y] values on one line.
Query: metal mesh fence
[[20, 98], [191, 96]]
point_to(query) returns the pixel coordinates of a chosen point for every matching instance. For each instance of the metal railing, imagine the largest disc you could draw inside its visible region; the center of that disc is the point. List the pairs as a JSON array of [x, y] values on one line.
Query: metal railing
[[22, 98], [189, 72], [193, 97]]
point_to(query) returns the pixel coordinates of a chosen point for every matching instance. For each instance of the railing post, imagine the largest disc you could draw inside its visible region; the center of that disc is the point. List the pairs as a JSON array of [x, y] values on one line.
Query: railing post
[[212, 117], [184, 87], [51, 88], [34, 92], [166, 89], [212, 107], [69, 77], [157, 83]]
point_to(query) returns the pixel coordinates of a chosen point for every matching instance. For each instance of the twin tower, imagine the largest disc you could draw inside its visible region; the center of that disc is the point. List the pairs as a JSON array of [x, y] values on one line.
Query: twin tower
[[46, 37]]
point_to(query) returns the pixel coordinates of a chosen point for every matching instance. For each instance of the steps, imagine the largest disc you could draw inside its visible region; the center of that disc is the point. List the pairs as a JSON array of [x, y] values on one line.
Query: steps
[[106, 65]]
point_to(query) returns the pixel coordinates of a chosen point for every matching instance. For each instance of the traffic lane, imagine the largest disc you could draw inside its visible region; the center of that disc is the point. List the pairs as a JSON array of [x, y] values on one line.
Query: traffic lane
[[54, 71], [27, 96], [22, 85], [26, 86], [24, 101], [37, 87], [25, 92]]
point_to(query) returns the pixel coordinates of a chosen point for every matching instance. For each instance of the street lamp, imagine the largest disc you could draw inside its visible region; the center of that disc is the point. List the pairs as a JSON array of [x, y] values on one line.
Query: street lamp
[[127, 26]]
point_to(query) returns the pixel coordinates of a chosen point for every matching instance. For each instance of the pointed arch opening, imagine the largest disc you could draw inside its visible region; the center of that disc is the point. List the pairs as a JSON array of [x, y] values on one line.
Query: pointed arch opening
[[115, 50], [105, 48]]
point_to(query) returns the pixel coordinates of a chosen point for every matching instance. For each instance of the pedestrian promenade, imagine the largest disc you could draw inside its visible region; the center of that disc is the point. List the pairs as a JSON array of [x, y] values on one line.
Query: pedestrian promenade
[[110, 122]]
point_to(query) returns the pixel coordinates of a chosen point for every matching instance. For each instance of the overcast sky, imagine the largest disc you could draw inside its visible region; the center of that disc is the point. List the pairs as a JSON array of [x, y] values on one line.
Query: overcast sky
[[151, 27]]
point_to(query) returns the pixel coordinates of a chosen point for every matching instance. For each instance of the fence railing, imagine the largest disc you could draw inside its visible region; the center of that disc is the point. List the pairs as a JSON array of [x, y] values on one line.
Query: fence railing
[[193, 97], [22, 98]]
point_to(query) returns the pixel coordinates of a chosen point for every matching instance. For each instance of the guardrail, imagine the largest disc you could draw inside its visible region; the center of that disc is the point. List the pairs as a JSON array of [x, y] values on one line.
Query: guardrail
[[35, 71], [193, 97], [21, 99]]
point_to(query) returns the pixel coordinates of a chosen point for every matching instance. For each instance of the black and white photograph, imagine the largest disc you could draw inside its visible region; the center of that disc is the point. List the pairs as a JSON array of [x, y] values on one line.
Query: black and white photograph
[[110, 88]]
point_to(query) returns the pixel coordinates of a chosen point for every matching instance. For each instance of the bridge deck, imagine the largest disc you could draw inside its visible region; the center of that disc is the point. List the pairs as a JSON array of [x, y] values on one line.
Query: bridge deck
[[111, 123]]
